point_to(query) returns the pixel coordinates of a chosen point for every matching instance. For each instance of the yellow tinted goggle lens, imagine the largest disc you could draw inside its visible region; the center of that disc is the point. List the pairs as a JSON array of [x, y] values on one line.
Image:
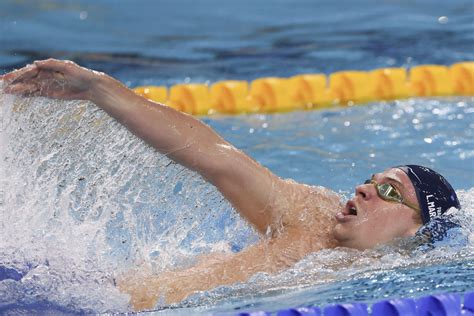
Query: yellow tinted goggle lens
[[386, 191]]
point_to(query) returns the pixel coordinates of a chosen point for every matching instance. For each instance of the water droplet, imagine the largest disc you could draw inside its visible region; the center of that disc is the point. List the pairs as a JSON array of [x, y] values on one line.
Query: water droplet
[[443, 19], [391, 61], [347, 123], [83, 15]]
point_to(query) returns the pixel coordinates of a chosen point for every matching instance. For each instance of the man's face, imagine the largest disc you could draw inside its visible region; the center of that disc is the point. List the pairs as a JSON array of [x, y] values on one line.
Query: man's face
[[367, 220]]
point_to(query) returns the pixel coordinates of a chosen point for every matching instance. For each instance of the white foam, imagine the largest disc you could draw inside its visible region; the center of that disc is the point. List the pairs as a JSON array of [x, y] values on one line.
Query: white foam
[[86, 200]]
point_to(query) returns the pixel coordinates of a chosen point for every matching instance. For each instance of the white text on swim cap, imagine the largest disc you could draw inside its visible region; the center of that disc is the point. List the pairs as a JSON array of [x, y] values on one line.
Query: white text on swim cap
[[432, 209]]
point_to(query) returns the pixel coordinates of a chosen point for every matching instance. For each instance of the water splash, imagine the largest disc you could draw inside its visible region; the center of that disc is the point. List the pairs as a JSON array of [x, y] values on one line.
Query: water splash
[[85, 200]]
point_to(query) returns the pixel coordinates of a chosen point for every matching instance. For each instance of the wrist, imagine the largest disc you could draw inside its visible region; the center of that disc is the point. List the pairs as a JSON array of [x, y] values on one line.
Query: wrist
[[105, 89]]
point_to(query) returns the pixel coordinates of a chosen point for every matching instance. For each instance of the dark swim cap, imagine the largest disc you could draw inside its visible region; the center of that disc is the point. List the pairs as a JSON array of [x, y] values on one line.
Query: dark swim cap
[[435, 194]]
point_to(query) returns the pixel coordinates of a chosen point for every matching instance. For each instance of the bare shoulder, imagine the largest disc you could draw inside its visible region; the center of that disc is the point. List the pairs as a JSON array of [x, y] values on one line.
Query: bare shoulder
[[311, 209]]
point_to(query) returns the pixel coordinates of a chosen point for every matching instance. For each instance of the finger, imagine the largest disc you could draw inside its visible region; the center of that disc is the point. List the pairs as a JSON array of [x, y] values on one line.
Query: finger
[[21, 88], [54, 65], [27, 72]]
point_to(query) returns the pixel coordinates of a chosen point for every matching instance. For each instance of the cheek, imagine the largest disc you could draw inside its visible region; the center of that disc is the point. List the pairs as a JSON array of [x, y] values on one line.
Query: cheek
[[390, 221], [383, 212], [380, 218]]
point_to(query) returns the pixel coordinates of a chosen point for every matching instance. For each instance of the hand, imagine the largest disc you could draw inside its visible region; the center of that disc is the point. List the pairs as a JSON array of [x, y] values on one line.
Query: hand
[[53, 79], [146, 289]]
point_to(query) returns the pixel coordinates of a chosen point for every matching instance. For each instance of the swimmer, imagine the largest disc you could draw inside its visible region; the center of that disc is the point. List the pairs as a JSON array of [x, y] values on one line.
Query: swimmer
[[293, 219]]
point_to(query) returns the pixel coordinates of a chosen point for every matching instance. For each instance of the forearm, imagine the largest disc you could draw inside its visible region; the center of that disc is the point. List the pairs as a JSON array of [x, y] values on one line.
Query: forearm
[[182, 284], [178, 135], [268, 256], [171, 287], [174, 286]]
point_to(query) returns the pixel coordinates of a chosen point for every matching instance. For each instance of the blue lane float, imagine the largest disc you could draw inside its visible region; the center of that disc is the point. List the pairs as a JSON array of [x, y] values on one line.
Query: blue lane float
[[356, 309], [443, 304], [469, 303], [449, 304], [406, 307], [307, 311]]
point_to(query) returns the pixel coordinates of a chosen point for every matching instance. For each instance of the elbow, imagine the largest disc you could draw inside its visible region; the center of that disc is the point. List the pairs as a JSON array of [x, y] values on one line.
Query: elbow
[[218, 164]]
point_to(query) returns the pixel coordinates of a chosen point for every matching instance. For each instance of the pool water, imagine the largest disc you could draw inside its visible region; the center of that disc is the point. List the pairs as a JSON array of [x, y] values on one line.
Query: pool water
[[84, 200]]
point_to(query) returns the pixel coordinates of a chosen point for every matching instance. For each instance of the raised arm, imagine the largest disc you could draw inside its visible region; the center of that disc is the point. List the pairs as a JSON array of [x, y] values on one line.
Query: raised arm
[[252, 189], [298, 216]]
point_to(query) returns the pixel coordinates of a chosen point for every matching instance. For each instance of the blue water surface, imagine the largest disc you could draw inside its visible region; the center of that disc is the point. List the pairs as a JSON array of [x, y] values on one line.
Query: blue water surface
[[165, 42]]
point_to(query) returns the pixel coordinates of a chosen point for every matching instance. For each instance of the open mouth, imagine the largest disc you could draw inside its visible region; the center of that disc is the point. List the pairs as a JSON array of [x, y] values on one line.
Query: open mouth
[[349, 212], [351, 208]]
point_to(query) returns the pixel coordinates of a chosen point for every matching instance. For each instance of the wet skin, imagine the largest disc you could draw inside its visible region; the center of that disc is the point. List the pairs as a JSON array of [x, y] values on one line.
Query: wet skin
[[293, 219], [378, 221]]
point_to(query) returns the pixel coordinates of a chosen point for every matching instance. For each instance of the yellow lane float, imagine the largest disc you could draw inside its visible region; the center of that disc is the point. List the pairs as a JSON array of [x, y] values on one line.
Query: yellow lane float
[[308, 91]]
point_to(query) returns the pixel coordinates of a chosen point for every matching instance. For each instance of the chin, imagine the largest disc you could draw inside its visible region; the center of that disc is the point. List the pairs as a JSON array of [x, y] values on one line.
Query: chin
[[344, 239], [342, 235]]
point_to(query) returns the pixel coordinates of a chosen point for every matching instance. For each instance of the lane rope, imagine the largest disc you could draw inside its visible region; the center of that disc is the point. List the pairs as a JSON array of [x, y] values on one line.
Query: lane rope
[[449, 304], [315, 91]]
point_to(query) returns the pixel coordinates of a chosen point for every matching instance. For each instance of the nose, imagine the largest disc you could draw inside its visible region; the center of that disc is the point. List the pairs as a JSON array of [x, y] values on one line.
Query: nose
[[365, 191]]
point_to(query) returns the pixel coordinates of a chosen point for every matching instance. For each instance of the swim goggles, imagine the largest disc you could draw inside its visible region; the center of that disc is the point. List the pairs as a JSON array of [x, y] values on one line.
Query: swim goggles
[[388, 192]]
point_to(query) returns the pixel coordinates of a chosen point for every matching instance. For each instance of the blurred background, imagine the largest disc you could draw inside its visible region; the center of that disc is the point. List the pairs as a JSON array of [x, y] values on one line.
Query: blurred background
[[165, 42]]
